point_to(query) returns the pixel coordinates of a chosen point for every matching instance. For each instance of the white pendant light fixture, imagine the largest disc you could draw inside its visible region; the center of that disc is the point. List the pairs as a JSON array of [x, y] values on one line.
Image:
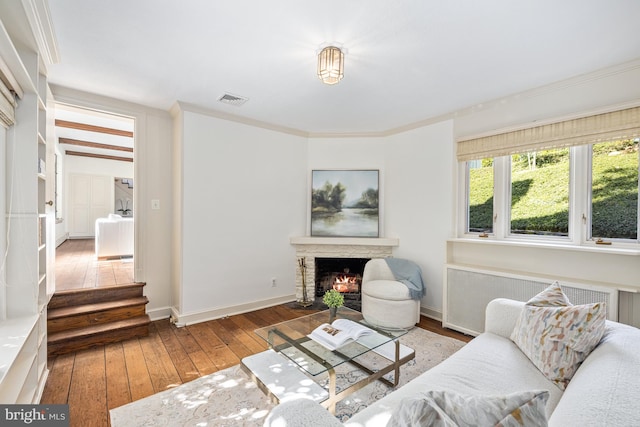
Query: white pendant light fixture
[[331, 65]]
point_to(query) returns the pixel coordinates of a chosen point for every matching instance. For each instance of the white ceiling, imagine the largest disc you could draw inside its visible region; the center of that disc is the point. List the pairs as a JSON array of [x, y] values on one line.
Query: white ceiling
[[407, 60]]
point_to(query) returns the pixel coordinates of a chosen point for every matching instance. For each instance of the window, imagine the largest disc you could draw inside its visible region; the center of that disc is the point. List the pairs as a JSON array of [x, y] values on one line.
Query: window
[[540, 193], [574, 181], [614, 190], [480, 196]]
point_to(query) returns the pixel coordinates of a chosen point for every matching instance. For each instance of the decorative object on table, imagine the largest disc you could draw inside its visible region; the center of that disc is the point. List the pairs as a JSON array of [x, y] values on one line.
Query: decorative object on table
[[305, 302], [333, 299], [339, 333], [344, 203]]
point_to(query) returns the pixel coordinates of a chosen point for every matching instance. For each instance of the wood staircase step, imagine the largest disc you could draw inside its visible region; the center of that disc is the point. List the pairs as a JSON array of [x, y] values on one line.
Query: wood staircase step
[[84, 318], [67, 318], [90, 336], [95, 295]]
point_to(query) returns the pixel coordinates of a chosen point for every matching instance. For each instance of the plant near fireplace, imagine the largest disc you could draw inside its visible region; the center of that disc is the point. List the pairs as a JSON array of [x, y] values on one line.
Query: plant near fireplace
[[333, 299]]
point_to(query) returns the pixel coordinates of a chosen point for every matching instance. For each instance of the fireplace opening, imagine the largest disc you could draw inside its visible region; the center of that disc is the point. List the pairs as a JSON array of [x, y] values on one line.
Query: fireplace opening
[[341, 274]]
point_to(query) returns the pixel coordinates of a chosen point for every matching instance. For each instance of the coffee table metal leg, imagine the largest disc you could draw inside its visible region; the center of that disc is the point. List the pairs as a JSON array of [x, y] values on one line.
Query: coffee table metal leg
[[332, 392], [396, 375], [393, 366]]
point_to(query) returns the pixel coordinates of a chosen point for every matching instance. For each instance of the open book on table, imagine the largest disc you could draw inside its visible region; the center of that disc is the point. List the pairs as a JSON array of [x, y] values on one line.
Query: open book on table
[[338, 333]]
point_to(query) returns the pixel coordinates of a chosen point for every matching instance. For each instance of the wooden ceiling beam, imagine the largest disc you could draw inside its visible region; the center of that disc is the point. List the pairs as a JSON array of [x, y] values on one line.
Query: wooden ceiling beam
[[98, 156], [94, 144], [92, 128]]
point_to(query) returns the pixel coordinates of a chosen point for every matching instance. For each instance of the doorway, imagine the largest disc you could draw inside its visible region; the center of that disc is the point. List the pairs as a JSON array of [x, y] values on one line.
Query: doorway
[[94, 166]]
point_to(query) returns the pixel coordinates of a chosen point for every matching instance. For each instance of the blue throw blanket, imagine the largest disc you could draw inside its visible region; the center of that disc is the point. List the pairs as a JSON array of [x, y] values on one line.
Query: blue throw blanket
[[409, 273]]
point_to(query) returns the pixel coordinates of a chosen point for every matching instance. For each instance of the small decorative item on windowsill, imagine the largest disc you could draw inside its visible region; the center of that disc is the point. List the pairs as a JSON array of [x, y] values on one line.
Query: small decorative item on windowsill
[[304, 302], [333, 299]]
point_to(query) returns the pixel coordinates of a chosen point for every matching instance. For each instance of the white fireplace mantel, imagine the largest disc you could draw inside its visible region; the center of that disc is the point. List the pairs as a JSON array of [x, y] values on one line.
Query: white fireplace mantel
[[345, 241]]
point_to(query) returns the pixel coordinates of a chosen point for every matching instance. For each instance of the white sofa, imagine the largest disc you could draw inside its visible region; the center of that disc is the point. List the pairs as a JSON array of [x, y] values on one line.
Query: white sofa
[[604, 391], [114, 236]]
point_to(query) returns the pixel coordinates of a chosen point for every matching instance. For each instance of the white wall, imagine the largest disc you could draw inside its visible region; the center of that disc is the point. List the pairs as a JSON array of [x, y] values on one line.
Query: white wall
[[420, 202], [153, 180], [241, 195]]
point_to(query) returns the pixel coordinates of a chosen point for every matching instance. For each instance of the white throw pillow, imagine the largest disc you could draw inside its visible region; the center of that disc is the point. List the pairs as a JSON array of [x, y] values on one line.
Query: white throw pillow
[[450, 409], [557, 336]]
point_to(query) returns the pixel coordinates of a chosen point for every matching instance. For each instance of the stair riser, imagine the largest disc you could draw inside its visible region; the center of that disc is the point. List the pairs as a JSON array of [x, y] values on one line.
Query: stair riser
[[81, 321], [81, 343], [94, 296]]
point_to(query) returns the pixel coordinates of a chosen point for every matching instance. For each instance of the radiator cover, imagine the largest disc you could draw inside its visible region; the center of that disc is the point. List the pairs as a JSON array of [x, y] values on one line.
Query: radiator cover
[[468, 290]]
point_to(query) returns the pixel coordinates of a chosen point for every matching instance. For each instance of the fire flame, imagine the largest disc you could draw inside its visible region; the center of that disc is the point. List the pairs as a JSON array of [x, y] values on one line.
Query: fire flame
[[346, 283]]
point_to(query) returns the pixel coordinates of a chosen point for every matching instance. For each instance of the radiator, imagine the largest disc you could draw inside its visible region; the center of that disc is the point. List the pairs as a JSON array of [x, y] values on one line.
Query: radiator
[[468, 290]]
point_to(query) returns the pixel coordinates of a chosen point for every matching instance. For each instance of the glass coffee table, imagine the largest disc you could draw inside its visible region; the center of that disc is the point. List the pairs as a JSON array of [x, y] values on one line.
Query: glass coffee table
[[293, 365]]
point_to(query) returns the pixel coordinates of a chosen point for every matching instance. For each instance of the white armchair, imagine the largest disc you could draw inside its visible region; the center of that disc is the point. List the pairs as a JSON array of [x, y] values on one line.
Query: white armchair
[[386, 302]]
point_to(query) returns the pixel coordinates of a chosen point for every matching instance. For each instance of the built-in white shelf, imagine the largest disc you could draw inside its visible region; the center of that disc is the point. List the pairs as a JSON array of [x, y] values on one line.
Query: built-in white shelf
[[28, 223]]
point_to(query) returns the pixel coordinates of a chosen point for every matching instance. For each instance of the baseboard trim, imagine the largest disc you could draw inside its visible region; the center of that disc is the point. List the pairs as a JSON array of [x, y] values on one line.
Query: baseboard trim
[[185, 319], [431, 313], [62, 239], [159, 313], [203, 316]]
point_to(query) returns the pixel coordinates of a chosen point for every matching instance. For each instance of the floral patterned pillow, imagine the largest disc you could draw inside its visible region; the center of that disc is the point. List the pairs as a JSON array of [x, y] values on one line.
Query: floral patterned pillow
[[557, 336], [450, 409]]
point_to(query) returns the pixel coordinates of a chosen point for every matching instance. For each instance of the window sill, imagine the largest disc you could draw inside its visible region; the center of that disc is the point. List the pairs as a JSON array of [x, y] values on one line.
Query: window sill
[[612, 249]]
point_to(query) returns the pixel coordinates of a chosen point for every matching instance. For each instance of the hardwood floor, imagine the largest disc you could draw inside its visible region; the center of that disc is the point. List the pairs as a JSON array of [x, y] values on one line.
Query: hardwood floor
[[77, 267], [96, 380]]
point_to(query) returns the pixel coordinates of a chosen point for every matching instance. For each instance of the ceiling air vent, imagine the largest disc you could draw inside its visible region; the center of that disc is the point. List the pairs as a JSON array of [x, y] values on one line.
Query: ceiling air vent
[[236, 100]]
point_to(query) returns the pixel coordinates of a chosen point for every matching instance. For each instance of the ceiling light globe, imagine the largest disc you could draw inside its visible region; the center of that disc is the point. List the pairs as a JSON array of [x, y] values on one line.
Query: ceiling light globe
[[331, 65]]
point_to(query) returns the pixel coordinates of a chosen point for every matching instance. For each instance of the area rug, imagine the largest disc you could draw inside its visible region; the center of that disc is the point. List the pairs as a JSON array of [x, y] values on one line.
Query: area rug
[[230, 398]]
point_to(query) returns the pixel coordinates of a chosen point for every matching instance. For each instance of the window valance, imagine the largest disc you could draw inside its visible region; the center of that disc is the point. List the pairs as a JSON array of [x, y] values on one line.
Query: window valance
[[615, 125]]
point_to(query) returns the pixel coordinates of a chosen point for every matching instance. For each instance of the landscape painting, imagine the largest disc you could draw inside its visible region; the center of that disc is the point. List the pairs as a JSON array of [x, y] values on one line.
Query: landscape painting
[[344, 203]]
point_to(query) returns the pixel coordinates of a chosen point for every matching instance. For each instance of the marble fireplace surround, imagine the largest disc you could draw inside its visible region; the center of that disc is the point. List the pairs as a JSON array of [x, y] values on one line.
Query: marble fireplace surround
[[335, 247]]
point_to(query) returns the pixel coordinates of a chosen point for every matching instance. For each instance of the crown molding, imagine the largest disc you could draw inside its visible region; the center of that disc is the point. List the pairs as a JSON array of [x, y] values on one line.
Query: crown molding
[[39, 17], [101, 103], [184, 106]]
